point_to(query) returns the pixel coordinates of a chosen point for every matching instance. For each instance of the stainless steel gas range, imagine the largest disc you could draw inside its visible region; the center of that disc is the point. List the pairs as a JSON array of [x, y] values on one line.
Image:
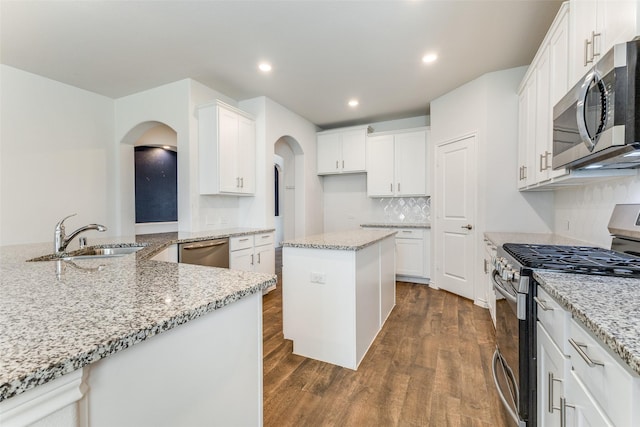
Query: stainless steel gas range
[[514, 361]]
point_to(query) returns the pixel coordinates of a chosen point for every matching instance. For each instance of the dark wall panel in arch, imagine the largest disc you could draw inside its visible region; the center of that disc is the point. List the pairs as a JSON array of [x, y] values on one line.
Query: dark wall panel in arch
[[156, 173]]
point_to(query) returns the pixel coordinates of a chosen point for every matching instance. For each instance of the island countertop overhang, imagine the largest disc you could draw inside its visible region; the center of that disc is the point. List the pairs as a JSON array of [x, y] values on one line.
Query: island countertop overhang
[[350, 240], [58, 316]]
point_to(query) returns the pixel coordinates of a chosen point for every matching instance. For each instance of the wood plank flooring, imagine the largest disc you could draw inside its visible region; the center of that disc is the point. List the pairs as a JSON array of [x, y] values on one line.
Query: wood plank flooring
[[429, 366]]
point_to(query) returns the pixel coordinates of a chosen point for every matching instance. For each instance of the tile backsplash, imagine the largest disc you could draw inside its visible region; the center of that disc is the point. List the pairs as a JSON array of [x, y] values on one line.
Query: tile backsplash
[[404, 209]]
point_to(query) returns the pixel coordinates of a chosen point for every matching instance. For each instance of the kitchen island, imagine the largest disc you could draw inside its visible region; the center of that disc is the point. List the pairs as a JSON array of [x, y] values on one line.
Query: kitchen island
[[128, 340], [337, 291]]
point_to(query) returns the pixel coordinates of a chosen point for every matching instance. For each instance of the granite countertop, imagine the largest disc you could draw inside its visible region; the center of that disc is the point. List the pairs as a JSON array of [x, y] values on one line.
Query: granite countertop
[[58, 316], [608, 306], [500, 238], [351, 240], [397, 225]]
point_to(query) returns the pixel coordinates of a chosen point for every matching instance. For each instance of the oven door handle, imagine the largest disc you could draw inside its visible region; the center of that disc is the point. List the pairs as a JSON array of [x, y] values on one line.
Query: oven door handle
[[498, 286]]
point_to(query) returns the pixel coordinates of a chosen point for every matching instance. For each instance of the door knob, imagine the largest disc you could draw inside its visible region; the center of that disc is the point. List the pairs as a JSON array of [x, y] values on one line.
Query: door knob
[[468, 226]]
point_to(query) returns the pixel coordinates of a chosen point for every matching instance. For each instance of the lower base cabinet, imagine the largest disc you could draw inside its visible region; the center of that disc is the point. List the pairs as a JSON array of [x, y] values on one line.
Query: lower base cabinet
[[412, 254], [580, 382], [253, 253]]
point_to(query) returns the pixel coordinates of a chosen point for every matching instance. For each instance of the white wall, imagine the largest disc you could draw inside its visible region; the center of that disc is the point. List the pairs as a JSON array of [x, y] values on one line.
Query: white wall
[[583, 213], [55, 154]]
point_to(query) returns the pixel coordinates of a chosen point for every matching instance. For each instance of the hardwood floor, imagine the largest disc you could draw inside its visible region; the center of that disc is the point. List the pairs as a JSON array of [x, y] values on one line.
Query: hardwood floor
[[429, 366]]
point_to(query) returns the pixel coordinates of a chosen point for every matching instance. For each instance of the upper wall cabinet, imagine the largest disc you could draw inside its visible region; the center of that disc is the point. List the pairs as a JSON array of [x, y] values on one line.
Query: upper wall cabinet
[[227, 150], [396, 164], [547, 80], [597, 26], [342, 151]]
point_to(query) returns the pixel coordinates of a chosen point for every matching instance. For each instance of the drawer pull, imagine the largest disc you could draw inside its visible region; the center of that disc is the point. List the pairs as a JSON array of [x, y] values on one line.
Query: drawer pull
[[244, 240], [551, 379], [542, 304], [578, 346], [563, 411], [266, 236]]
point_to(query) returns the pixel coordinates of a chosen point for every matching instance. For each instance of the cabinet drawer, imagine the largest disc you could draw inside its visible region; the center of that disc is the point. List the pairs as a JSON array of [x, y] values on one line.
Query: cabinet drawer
[[554, 318], [608, 380], [240, 242], [410, 233], [264, 239]]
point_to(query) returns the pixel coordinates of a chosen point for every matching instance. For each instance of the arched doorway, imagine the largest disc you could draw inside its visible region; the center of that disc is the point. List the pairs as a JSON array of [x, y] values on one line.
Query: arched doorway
[[149, 171], [289, 161]]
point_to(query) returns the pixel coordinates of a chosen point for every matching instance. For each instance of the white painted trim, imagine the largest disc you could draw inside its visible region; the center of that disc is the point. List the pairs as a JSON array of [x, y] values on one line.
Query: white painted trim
[[43, 400], [413, 279], [156, 227], [481, 302]]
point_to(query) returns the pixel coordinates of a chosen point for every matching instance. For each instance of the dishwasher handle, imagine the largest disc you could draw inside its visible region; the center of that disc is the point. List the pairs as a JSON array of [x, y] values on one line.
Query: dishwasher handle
[[207, 244]]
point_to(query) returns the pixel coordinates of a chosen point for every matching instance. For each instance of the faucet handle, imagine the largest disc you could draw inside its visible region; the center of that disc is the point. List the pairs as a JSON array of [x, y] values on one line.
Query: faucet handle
[[60, 225]]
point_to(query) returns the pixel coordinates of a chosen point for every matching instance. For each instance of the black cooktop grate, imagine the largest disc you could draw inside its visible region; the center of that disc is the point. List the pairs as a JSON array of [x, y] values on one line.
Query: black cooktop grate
[[575, 259]]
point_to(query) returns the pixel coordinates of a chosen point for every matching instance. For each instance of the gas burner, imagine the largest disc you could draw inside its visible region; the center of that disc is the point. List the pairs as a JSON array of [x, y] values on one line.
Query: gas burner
[[575, 259]]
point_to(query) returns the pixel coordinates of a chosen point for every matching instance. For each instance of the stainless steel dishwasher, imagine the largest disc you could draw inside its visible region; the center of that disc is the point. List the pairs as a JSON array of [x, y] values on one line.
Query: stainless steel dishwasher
[[212, 253]]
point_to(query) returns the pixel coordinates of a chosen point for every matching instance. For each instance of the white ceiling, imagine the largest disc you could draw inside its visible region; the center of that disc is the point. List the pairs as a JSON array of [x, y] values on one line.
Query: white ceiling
[[323, 52]]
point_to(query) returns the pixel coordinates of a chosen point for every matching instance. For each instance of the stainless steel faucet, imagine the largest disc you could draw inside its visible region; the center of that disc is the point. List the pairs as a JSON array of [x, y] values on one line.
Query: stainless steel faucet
[[61, 240]]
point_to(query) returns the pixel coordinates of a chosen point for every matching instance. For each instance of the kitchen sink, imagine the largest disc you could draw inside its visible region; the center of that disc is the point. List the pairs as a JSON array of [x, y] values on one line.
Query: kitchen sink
[[111, 251], [105, 252]]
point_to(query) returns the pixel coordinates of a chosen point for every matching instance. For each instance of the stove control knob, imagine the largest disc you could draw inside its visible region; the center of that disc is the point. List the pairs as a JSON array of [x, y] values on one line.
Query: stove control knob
[[516, 276]]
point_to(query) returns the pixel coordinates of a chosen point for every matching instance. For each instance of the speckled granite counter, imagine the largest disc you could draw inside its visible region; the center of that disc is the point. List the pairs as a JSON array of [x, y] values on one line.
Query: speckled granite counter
[[500, 238], [608, 306], [352, 240], [396, 225], [58, 316]]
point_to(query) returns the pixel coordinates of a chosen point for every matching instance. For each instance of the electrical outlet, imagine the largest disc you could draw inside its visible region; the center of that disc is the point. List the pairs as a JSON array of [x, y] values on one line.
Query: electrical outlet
[[318, 277]]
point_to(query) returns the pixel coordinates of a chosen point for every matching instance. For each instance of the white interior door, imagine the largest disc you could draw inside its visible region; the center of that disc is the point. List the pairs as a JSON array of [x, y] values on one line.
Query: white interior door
[[455, 216]]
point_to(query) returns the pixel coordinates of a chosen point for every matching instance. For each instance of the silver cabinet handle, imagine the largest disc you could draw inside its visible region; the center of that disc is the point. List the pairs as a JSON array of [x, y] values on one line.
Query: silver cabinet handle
[[398, 187], [336, 164], [251, 259], [563, 411], [266, 236], [546, 160], [578, 346], [242, 182], [542, 304], [541, 158], [391, 187], [586, 52], [243, 240], [524, 172], [551, 379], [258, 257], [343, 164], [468, 227], [593, 45]]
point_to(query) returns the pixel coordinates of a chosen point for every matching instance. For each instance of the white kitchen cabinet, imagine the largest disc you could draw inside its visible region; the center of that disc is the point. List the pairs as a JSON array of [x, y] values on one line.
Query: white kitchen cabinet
[[597, 26], [342, 151], [412, 249], [227, 150], [544, 84], [253, 253], [578, 377], [397, 164], [526, 133]]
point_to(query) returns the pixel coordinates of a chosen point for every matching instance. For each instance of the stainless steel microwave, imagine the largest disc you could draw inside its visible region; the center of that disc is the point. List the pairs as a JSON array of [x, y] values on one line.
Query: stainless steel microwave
[[596, 124]]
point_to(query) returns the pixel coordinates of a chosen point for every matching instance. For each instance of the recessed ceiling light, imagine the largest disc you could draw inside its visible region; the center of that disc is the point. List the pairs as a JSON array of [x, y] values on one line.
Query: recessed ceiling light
[[265, 66], [429, 58], [166, 147], [633, 154], [593, 166], [353, 103]]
